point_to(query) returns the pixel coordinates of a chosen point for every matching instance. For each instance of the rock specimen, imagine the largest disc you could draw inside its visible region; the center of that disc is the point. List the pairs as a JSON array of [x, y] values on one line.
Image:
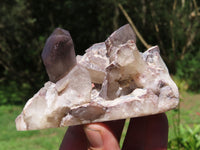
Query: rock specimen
[[113, 80], [58, 54]]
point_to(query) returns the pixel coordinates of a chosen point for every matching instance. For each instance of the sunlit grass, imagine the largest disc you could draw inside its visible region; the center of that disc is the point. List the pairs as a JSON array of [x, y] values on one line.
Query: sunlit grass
[[50, 139]]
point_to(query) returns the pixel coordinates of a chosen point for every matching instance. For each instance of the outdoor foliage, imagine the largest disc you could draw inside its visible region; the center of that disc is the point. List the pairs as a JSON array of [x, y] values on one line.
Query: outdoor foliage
[[188, 139], [188, 69], [184, 129], [26, 24], [184, 124], [10, 138], [20, 63]]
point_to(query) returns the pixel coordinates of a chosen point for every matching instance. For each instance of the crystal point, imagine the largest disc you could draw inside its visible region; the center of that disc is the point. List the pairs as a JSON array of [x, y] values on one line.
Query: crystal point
[[58, 54]]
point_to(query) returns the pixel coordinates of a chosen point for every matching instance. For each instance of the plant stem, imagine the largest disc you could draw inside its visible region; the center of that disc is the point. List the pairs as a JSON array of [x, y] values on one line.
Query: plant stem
[[124, 131], [134, 27]]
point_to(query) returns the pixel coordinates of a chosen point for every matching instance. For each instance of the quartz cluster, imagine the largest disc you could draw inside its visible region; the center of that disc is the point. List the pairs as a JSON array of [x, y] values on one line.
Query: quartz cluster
[[111, 81]]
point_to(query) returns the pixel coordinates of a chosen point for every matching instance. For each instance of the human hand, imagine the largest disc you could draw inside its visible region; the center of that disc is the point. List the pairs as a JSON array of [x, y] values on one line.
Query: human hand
[[144, 133]]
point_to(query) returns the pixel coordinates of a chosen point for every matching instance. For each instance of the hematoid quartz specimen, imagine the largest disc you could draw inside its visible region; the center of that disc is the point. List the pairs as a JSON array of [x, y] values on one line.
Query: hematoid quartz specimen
[[111, 81]]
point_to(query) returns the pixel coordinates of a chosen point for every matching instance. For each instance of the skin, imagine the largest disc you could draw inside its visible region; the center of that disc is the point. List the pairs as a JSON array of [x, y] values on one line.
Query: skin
[[144, 133]]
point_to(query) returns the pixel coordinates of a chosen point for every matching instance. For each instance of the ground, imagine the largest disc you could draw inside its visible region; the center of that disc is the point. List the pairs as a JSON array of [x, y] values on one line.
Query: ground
[[189, 112], [190, 105], [50, 139]]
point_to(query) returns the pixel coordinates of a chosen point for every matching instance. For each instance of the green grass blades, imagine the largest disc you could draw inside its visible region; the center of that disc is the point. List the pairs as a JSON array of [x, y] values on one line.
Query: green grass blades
[[48, 139], [188, 139], [184, 123], [184, 129]]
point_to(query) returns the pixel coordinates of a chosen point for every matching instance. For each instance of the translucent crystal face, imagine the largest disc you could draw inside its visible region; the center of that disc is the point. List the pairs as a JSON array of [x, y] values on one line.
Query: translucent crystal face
[[120, 36], [58, 54]]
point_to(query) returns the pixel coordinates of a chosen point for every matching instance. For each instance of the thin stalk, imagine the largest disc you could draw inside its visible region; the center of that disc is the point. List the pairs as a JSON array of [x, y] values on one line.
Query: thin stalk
[[134, 27], [124, 131]]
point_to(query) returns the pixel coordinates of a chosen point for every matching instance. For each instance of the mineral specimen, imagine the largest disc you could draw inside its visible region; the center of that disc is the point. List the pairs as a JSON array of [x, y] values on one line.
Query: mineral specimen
[[58, 54], [111, 81]]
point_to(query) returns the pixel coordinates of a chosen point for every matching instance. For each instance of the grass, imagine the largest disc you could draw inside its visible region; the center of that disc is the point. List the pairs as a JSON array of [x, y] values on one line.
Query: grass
[[124, 131], [189, 112], [50, 139]]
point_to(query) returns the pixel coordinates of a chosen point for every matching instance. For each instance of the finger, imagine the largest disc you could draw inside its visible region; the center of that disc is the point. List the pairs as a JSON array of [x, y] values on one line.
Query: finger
[[74, 139], [101, 137], [116, 127], [147, 133]]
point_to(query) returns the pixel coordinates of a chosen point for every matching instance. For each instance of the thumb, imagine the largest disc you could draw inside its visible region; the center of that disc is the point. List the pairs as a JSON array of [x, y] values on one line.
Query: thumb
[[100, 137]]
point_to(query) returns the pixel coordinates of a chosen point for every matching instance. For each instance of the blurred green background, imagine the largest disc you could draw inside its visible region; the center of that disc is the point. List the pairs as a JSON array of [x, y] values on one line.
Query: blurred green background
[[173, 25]]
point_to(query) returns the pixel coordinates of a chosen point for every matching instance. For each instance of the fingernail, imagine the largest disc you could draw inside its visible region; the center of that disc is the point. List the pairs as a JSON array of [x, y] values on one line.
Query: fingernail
[[94, 137]]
